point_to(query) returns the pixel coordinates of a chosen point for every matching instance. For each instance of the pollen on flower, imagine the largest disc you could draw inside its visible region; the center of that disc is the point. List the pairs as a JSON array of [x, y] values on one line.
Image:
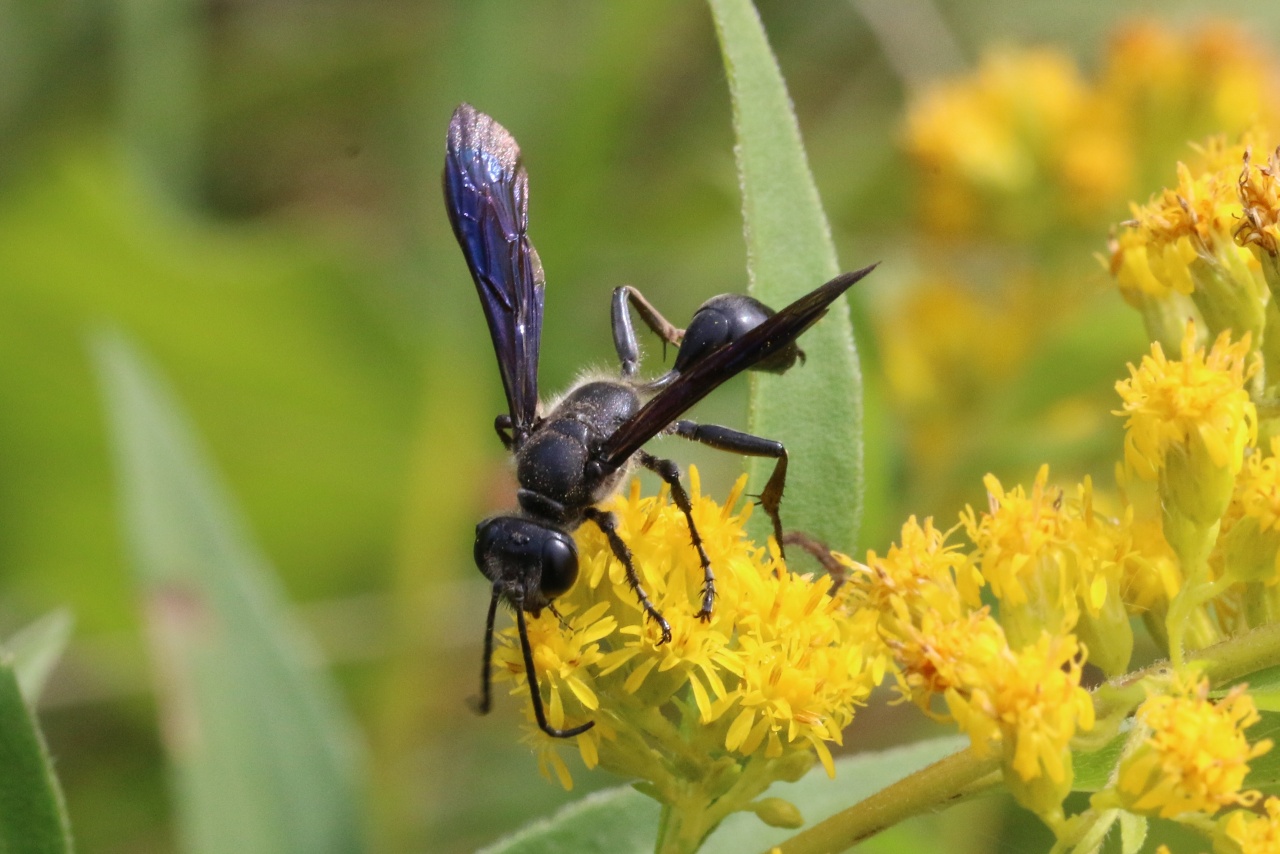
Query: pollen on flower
[[1197, 755]]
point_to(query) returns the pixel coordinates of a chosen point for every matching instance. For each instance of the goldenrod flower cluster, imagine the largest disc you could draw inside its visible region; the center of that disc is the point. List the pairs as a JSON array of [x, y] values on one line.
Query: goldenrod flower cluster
[[1018, 166], [1199, 482], [731, 704], [1010, 679], [1028, 141], [994, 634], [1196, 756]]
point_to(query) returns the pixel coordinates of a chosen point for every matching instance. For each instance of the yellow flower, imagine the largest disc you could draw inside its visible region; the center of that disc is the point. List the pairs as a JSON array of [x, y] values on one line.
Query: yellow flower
[[730, 704], [562, 654], [1259, 187], [1249, 547], [1179, 255], [1104, 557], [1021, 554], [932, 654], [1030, 703], [1196, 408], [1023, 123], [1196, 757], [1026, 699], [1187, 426], [924, 574], [1255, 834], [1214, 77]]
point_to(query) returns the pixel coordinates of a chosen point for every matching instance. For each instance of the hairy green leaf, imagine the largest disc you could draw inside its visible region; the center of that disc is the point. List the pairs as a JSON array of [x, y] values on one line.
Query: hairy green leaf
[[32, 817], [264, 755], [35, 650], [816, 409]]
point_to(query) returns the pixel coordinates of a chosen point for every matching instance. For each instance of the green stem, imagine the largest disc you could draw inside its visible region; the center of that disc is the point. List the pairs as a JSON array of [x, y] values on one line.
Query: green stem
[[1192, 542], [928, 788], [684, 823], [1237, 657]]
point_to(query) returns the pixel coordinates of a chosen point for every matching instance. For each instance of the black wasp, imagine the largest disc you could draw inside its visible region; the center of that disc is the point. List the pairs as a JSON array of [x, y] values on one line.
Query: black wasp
[[571, 455]]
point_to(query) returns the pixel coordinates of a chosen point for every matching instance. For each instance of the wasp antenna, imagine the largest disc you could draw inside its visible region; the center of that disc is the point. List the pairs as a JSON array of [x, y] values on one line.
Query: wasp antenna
[[535, 693]]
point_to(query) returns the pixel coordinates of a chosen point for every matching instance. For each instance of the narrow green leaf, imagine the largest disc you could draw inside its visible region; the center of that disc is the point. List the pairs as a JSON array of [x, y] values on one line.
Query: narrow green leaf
[[265, 758], [1133, 832], [36, 649], [617, 820], [816, 409], [622, 820], [33, 819]]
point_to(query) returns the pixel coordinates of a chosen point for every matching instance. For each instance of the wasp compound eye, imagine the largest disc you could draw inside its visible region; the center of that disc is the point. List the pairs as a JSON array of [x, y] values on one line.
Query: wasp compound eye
[[559, 566]]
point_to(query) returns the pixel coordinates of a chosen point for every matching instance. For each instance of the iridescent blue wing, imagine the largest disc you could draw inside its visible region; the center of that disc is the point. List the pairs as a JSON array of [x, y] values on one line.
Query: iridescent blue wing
[[708, 372], [486, 192]]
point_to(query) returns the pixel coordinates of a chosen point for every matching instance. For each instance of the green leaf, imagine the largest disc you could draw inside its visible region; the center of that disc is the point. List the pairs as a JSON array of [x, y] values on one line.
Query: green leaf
[[1093, 770], [816, 409], [36, 649], [1264, 770], [1133, 832], [265, 757], [1264, 688], [622, 820], [32, 816], [615, 820]]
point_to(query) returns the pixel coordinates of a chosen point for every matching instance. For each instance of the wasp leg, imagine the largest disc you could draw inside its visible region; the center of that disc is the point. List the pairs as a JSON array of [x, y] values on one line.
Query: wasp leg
[[670, 472], [502, 426], [724, 439], [606, 522], [822, 553], [624, 335]]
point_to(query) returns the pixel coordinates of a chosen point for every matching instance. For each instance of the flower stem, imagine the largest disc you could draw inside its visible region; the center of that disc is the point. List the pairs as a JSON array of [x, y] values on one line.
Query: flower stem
[[683, 825], [941, 782]]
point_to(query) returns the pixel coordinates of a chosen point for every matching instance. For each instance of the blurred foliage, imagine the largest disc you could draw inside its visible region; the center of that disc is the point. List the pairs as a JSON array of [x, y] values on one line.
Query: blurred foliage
[[251, 191]]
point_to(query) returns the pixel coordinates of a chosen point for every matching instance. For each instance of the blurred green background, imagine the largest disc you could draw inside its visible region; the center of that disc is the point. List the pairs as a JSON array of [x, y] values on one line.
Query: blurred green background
[[250, 190]]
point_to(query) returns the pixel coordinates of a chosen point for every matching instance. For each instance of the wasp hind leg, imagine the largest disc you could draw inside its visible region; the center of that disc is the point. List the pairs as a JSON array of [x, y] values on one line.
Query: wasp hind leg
[[724, 439], [624, 334]]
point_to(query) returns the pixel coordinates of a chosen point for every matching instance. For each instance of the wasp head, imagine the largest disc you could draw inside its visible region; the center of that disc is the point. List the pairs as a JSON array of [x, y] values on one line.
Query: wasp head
[[530, 563]]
